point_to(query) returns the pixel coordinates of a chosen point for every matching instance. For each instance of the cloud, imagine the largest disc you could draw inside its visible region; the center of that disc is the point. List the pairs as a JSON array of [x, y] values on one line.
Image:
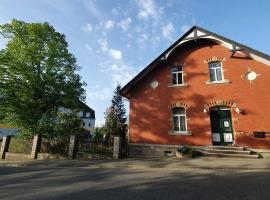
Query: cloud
[[116, 54], [115, 11], [87, 28], [185, 28], [92, 8], [124, 24], [121, 73], [143, 37], [88, 47], [103, 44], [167, 31], [98, 93], [109, 24], [147, 9]]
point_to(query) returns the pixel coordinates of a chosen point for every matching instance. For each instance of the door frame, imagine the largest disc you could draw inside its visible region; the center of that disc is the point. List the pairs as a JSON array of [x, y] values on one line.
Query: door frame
[[221, 131]]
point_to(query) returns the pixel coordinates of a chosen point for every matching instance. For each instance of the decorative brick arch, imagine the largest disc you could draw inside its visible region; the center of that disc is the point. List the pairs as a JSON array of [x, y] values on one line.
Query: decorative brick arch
[[227, 103], [215, 58], [178, 104]]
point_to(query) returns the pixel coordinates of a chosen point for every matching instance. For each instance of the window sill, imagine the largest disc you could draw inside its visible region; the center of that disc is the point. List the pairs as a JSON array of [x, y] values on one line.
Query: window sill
[[180, 133], [217, 82], [179, 85]]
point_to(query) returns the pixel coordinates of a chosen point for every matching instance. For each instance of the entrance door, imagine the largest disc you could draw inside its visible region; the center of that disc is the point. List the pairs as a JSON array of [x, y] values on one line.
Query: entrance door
[[221, 126]]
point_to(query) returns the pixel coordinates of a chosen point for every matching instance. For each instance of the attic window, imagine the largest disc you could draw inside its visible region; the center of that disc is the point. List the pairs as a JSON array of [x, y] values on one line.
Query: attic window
[[215, 71], [177, 75]]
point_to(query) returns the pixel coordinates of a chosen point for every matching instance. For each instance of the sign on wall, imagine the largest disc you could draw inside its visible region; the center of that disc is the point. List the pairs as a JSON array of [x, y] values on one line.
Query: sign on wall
[[216, 137]]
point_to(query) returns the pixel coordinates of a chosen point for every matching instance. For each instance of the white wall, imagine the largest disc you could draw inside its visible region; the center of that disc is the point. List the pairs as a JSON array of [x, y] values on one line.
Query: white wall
[[87, 121]]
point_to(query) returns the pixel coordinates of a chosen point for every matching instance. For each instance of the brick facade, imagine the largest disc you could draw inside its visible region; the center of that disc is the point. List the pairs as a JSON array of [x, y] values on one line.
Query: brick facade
[[151, 108]]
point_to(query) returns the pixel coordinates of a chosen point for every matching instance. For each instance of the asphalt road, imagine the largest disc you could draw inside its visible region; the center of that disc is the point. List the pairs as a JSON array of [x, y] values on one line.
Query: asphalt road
[[132, 179]]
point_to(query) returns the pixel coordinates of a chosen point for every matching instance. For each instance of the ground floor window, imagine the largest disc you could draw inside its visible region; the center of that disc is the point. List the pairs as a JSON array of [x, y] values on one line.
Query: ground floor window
[[179, 119]]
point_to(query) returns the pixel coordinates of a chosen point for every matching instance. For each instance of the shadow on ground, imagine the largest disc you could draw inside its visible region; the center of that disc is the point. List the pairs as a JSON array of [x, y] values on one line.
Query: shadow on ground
[[131, 179]]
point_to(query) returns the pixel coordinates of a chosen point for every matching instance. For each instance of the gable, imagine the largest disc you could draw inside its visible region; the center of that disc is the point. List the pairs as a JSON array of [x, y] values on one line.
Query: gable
[[196, 33]]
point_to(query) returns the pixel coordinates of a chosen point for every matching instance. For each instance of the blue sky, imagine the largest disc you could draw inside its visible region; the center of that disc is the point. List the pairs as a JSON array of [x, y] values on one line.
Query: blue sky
[[114, 39]]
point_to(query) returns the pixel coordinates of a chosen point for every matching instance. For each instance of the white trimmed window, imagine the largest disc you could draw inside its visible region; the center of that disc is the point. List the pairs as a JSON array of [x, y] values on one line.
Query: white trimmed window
[[177, 75], [215, 71], [179, 120]]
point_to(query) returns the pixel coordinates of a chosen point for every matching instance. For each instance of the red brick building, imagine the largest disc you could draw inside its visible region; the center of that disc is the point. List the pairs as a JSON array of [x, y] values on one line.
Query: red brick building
[[203, 90]]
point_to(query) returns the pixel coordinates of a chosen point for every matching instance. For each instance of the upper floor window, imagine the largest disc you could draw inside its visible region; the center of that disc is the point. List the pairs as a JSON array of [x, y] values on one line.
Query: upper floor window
[[179, 119], [177, 75], [81, 114], [215, 71]]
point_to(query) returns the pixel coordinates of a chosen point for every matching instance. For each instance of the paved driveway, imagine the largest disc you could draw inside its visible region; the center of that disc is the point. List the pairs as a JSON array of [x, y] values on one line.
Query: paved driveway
[[136, 179]]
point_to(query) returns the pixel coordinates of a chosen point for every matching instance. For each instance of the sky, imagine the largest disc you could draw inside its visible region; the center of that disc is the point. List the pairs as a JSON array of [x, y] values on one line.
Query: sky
[[113, 40]]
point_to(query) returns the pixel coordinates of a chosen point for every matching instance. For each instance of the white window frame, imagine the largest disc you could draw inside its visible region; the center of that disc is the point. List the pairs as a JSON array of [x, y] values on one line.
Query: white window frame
[[215, 70], [179, 121], [177, 74]]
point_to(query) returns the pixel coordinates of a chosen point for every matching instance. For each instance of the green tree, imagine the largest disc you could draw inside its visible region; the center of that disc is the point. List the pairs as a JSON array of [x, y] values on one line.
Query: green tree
[[116, 117], [68, 123], [37, 76], [118, 105]]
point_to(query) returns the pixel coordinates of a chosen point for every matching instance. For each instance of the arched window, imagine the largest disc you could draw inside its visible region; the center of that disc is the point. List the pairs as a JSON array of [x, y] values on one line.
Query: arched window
[[215, 71], [179, 119], [177, 75]]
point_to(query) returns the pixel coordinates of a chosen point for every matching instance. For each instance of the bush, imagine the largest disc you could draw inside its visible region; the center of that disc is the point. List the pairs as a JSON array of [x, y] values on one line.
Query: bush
[[18, 145], [98, 136]]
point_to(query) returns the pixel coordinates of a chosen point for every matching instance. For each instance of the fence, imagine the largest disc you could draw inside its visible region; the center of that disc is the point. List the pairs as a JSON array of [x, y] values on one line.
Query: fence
[[19, 148], [87, 148], [54, 148], [80, 146]]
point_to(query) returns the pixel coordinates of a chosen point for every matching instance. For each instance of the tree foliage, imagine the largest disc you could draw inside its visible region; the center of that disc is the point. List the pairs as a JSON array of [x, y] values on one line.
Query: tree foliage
[[118, 105], [98, 138], [37, 76], [116, 116]]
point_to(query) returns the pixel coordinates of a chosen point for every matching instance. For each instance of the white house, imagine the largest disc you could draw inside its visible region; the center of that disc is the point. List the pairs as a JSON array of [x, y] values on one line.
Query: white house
[[87, 116]]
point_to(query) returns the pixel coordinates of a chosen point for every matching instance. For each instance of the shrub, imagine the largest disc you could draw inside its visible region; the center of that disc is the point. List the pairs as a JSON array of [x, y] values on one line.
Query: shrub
[[184, 150]]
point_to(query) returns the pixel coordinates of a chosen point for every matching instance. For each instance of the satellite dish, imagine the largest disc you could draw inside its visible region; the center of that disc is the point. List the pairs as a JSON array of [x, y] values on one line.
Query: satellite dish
[[154, 84], [251, 76]]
